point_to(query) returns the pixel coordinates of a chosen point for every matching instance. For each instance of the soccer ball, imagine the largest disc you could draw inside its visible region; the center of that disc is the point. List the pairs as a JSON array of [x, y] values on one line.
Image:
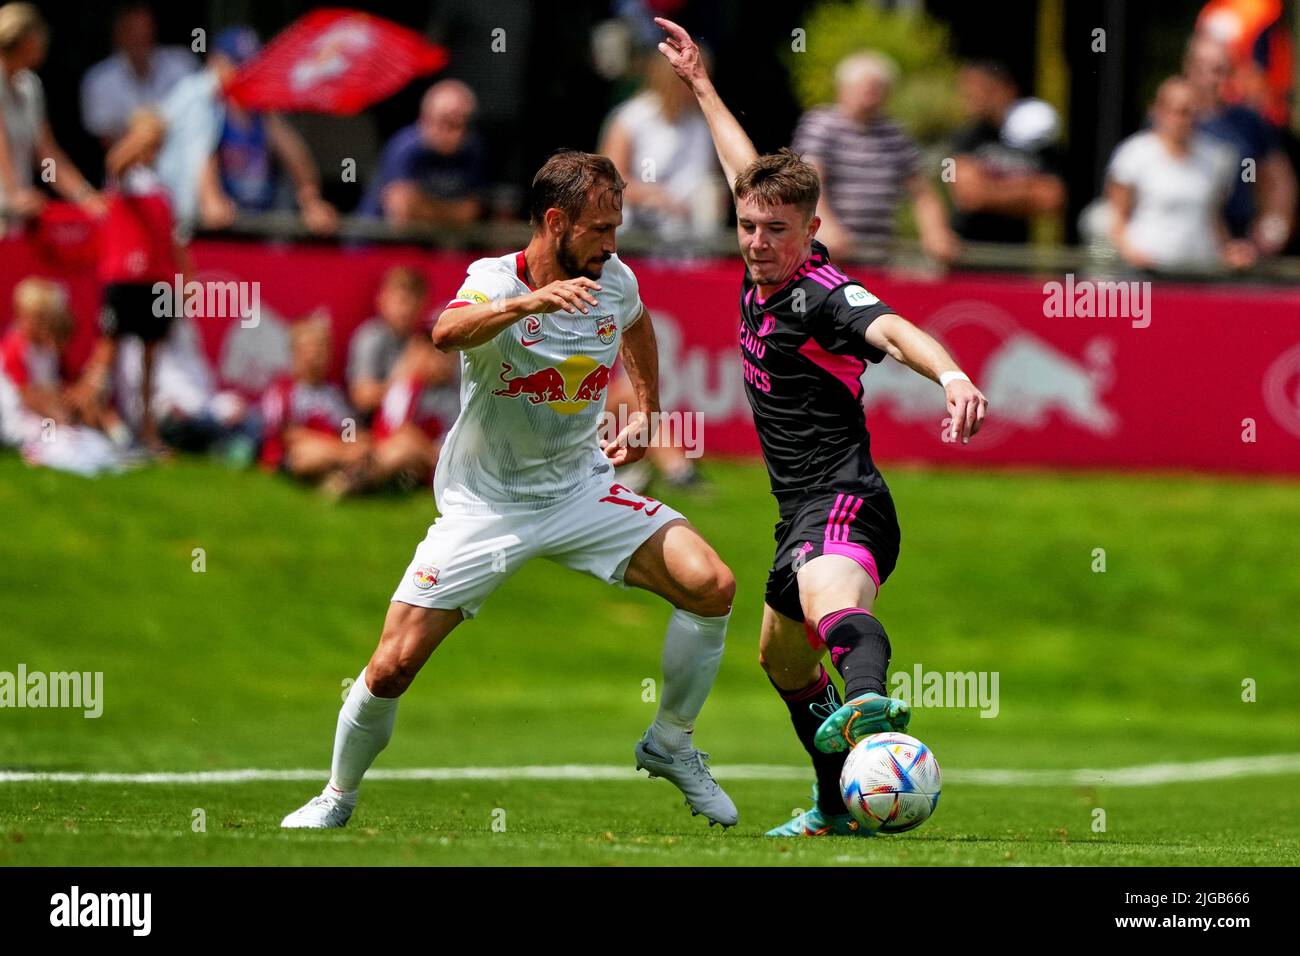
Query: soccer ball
[[890, 782]]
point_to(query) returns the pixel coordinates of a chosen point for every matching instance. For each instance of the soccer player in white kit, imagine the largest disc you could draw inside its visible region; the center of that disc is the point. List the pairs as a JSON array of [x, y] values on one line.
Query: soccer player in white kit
[[523, 475]]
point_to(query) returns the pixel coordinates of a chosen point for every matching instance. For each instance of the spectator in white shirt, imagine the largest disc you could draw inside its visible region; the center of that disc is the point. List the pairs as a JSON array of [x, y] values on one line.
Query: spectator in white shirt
[[139, 73], [1168, 186], [659, 141]]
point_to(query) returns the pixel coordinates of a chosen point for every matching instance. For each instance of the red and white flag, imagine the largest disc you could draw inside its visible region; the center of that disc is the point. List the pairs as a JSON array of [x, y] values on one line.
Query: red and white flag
[[334, 61]]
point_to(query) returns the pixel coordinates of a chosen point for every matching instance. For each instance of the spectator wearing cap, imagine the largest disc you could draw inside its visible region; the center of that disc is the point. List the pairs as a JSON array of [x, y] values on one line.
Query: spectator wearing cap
[[868, 163], [25, 135], [1167, 187], [216, 158], [1007, 169], [139, 73], [431, 172], [244, 172]]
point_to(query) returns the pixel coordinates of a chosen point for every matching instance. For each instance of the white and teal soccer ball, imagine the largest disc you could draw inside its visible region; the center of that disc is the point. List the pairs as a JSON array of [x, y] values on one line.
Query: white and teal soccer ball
[[890, 782]]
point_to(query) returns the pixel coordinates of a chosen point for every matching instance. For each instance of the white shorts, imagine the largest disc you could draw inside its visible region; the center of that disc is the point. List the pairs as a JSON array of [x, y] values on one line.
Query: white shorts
[[468, 555]]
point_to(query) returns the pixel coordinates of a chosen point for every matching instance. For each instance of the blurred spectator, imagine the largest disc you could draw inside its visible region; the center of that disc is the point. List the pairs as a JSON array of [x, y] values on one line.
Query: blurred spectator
[[37, 413], [25, 135], [431, 172], [1255, 34], [398, 378], [660, 143], [243, 174], [417, 408], [1261, 208], [1167, 187], [139, 73], [311, 430], [379, 343], [138, 248], [867, 163], [216, 158], [305, 416], [1007, 169], [192, 415], [30, 383], [503, 85]]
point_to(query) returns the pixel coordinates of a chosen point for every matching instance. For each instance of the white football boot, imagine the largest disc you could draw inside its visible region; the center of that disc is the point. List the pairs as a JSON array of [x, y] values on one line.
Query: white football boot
[[686, 769], [330, 810]]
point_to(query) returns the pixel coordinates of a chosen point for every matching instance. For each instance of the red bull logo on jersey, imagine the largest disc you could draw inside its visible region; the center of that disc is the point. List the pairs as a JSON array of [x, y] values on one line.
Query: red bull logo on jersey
[[567, 388], [606, 328]]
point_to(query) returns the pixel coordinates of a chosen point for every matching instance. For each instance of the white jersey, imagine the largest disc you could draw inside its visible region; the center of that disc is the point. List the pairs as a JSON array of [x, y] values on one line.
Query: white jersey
[[533, 396]]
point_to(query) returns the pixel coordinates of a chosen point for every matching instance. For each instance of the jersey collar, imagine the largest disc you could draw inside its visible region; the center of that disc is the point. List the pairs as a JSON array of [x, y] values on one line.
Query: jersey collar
[[521, 269]]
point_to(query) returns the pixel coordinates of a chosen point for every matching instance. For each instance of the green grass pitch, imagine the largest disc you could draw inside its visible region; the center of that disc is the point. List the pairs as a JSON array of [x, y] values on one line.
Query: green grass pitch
[[242, 666]]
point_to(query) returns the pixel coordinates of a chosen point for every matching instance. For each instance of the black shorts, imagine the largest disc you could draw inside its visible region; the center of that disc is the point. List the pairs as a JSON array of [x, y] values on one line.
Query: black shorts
[[862, 528], [128, 310]]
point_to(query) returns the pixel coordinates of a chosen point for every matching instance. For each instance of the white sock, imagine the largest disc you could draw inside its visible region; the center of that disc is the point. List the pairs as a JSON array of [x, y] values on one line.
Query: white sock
[[692, 653], [364, 728]]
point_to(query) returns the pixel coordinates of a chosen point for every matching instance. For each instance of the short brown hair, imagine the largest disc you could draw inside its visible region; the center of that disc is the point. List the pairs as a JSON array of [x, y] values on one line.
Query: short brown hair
[[406, 278], [565, 181], [780, 178]]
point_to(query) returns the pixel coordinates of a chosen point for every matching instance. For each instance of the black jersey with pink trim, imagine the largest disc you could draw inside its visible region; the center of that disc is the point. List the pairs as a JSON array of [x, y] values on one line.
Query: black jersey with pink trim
[[803, 353]]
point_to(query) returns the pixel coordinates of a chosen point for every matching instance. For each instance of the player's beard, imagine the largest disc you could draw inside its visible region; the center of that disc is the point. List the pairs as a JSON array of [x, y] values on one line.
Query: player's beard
[[569, 262]]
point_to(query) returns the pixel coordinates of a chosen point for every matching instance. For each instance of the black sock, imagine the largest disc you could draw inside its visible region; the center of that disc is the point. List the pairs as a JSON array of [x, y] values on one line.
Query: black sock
[[809, 707], [859, 650]]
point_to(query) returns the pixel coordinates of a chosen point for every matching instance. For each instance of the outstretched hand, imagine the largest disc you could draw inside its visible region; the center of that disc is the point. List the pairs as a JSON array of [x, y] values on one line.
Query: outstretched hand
[[967, 407], [682, 52]]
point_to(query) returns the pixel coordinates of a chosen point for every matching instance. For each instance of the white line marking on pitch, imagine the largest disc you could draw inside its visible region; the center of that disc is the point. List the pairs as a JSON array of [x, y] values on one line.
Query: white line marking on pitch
[[1141, 776]]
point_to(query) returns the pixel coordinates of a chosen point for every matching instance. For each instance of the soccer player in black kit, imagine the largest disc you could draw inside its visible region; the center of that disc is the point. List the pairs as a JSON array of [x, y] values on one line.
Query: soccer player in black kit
[[807, 333]]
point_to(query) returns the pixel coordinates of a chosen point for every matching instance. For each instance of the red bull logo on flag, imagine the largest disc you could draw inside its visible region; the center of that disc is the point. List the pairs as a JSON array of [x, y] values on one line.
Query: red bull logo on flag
[[567, 388]]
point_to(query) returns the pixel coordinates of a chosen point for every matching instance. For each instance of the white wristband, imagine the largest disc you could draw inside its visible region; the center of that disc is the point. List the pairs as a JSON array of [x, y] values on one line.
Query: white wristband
[[947, 377]]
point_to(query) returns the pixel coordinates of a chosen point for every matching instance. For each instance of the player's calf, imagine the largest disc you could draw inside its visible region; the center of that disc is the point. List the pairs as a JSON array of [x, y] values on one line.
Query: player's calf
[[680, 566], [792, 663], [860, 651], [369, 712]]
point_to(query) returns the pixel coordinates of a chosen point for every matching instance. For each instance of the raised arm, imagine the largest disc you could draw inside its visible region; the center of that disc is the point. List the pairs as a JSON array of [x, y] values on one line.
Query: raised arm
[[735, 150]]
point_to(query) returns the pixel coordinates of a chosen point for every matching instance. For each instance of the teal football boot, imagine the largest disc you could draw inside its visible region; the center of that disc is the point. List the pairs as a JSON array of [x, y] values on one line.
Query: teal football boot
[[861, 717], [816, 823]]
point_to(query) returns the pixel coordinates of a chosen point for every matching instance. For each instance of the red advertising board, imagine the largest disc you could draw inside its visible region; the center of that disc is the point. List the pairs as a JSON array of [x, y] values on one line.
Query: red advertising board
[[1199, 377]]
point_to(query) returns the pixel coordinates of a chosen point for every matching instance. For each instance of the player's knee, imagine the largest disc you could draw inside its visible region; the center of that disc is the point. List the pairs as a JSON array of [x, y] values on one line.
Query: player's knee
[[710, 589], [395, 664], [387, 676]]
